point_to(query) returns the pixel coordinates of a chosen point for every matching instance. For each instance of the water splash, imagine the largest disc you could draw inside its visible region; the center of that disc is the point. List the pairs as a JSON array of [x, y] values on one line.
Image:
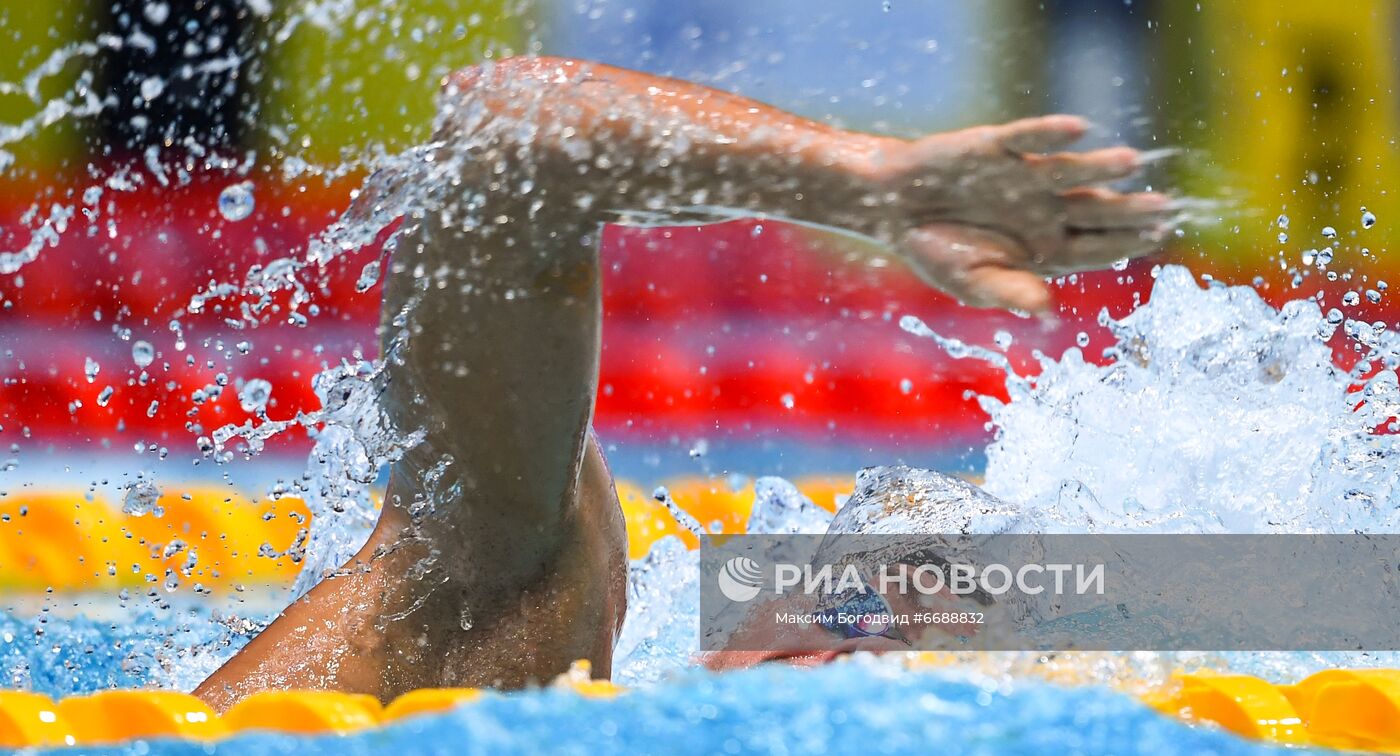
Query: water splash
[[173, 649], [48, 233], [902, 500], [355, 440], [663, 610], [1214, 413], [778, 507]]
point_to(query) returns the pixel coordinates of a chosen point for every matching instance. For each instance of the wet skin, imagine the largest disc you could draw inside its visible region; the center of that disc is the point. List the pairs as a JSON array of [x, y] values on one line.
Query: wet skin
[[500, 557], [757, 639]]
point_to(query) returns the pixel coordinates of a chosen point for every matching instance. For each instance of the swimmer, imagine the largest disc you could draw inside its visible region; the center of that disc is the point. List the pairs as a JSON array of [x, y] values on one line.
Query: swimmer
[[500, 555]]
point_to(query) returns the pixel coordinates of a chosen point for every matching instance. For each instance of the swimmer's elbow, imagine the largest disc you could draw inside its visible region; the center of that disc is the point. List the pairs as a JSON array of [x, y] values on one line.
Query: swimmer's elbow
[[536, 104], [537, 90]]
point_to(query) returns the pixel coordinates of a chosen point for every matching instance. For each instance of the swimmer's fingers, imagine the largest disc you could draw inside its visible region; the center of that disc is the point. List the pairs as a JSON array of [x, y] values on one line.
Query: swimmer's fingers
[[1044, 134], [1026, 138], [1011, 288], [1094, 249], [975, 265], [1072, 169], [1094, 209]]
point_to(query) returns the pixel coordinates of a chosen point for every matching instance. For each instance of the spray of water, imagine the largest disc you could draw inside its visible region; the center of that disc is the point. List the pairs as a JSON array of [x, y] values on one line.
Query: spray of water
[[1214, 412]]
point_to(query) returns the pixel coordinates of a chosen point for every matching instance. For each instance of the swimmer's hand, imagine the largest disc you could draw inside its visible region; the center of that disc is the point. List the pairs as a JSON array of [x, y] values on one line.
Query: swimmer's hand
[[986, 213]]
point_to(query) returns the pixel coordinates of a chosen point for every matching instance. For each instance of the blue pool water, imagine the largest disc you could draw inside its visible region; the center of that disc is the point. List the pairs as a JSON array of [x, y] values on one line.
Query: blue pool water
[[858, 707], [864, 705]]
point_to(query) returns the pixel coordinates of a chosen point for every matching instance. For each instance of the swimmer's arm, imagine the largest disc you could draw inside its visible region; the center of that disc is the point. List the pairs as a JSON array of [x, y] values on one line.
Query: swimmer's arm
[[628, 142], [985, 212]]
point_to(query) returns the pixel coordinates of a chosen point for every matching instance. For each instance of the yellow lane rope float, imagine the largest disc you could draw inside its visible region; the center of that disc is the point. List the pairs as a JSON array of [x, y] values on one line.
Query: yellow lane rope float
[[1355, 709], [204, 535], [218, 538]]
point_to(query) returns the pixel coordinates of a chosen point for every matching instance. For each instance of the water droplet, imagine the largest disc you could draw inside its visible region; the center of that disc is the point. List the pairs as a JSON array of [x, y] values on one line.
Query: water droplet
[[465, 618], [368, 276], [700, 448], [236, 201], [906, 386], [1368, 218], [143, 354], [1308, 256], [1002, 339], [1324, 256], [1282, 221], [90, 369], [142, 498], [788, 401], [151, 87], [1282, 238], [156, 13], [1329, 232], [254, 396], [1373, 296], [105, 396], [1082, 339], [1351, 299]]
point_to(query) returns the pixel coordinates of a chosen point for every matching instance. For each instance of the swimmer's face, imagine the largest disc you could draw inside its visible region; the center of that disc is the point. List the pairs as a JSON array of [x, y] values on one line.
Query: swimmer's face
[[813, 644], [801, 645]]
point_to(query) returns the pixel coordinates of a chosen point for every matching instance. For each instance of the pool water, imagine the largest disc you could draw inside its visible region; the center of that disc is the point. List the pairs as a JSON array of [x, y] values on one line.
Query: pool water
[[865, 705]]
